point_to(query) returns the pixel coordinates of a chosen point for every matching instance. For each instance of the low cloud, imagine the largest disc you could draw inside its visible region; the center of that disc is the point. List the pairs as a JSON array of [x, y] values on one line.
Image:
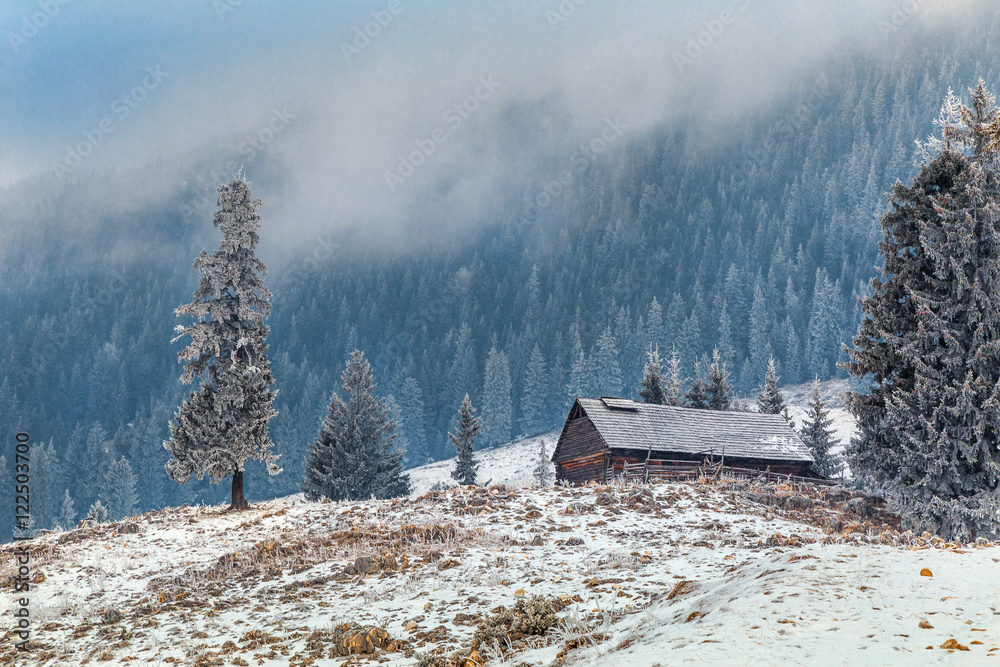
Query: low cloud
[[353, 114]]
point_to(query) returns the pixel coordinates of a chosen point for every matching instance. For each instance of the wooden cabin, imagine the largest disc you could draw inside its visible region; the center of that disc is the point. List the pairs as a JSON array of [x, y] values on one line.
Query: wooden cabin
[[602, 436]]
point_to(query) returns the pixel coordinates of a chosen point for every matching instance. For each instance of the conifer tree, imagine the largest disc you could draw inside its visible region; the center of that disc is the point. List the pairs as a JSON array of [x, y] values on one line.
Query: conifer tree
[[759, 336], [823, 324], [720, 392], [119, 489], [607, 369], [770, 400], [496, 419], [654, 334], [673, 390], [354, 457], [411, 405], [461, 378], [543, 467], [533, 402], [928, 339], [46, 477], [67, 515], [697, 395], [97, 513], [675, 316], [651, 389], [97, 448], [726, 349], [818, 435], [224, 422], [468, 427], [579, 384], [792, 364]]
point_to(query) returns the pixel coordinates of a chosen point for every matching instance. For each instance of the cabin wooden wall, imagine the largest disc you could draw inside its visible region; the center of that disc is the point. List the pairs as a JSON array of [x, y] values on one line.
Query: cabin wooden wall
[[583, 456], [582, 453]]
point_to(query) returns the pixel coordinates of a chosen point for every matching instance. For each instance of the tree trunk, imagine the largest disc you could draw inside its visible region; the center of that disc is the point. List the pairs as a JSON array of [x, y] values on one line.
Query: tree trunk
[[239, 501]]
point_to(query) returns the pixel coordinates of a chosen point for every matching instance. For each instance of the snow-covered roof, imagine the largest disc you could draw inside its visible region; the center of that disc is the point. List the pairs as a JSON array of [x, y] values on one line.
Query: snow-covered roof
[[625, 424]]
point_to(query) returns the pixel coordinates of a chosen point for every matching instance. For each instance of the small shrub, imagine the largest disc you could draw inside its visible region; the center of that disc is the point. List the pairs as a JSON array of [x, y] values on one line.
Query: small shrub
[[528, 617], [429, 660]]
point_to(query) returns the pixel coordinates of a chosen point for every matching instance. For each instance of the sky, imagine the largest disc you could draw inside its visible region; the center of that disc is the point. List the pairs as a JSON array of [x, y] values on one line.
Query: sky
[[392, 116]]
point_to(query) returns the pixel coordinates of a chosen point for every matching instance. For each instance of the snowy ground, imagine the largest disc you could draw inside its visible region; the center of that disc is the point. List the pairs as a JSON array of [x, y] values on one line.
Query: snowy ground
[[698, 573]]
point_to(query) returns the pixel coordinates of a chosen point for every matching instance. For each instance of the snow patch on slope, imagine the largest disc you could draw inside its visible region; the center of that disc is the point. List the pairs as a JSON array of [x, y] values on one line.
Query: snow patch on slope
[[512, 464]]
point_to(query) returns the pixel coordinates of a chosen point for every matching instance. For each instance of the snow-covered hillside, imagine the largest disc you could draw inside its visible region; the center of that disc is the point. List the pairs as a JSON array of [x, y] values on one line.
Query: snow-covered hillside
[[512, 464], [700, 573]]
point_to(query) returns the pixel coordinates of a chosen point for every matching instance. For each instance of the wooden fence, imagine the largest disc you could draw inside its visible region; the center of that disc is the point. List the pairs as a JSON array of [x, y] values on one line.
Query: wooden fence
[[687, 470]]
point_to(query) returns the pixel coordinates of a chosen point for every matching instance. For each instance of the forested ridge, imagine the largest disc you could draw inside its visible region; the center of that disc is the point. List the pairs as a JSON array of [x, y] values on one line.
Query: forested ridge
[[757, 240]]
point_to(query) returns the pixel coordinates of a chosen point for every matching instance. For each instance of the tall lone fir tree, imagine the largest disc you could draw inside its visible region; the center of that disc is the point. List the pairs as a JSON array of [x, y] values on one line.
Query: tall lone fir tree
[[468, 427], [930, 340], [354, 457], [224, 423], [818, 436]]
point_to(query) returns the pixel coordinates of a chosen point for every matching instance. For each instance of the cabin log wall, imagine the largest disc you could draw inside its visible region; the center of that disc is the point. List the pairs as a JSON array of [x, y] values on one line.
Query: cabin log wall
[[582, 453]]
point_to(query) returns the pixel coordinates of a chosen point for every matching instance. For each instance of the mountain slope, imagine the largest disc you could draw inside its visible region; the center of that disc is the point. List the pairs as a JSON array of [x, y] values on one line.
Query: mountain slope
[[718, 572]]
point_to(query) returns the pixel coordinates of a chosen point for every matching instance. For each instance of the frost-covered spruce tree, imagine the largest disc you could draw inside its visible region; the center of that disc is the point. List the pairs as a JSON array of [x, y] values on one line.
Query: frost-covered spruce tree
[[607, 369], [930, 341], [354, 457], [579, 377], [651, 388], [818, 435], [770, 400], [497, 409], [697, 395], [951, 420], [97, 513], [224, 422], [468, 427], [119, 489], [411, 404], [889, 320], [673, 389], [67, 514], [720, 392], [534, 399], [543, 466]]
